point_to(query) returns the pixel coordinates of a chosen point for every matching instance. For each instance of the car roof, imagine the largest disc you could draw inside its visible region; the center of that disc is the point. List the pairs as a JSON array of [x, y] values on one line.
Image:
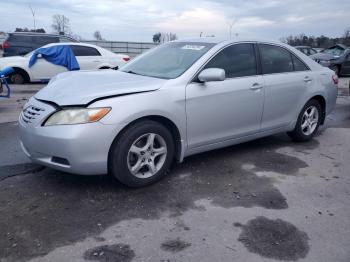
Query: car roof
[[71, 43], [39, 34], [302, 46], [216, 40]]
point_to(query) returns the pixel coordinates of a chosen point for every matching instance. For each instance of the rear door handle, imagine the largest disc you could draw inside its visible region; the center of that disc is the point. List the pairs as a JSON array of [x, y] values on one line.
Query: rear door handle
[[256, 86], [307, 79]]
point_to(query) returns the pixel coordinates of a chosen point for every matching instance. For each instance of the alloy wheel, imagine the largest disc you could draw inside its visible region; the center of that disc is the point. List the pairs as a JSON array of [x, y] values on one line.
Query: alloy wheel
[[147, 155], [309, 120]]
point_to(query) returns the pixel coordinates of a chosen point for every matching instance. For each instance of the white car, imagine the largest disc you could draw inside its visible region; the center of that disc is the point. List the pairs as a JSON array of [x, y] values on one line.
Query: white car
[[89, 57]]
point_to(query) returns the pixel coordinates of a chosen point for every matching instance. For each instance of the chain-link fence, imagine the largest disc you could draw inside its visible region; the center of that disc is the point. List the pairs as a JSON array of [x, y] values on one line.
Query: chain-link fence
[[129, 48]]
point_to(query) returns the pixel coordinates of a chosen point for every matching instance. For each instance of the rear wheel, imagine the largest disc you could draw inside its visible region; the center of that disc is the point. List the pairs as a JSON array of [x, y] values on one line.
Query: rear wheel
[[142, 154], [308, 122]]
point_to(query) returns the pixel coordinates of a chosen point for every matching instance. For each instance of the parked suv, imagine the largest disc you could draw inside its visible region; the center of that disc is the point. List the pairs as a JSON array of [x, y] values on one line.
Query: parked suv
[[21, 43]]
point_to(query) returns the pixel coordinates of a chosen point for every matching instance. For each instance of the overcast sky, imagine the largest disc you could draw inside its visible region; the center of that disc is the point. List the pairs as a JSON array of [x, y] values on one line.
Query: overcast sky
[[138, 20]]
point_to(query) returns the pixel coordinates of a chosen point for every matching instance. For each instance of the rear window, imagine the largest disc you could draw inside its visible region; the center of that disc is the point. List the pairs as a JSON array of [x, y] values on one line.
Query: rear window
[[275, 59], [79, 50]]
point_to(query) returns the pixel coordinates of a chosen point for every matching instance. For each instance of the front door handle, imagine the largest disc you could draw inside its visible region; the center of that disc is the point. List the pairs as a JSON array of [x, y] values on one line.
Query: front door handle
[[256, 86], [307, 79]]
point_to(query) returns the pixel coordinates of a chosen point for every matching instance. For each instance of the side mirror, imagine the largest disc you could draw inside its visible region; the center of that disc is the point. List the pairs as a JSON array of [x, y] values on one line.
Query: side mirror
[[212, 74]]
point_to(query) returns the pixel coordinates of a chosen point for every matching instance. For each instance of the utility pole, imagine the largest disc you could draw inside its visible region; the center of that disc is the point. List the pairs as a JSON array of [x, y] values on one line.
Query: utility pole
[[230, 26], [33, 14]]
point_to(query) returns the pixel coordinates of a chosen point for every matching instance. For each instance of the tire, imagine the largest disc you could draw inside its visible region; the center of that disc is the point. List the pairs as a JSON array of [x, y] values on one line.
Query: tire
[[17, 78], [307, 127], [130, 156]]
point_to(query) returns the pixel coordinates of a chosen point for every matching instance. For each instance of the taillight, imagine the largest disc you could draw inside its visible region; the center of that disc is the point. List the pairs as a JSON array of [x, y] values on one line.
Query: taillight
[[126, 59], [335, 79], [5, 45]]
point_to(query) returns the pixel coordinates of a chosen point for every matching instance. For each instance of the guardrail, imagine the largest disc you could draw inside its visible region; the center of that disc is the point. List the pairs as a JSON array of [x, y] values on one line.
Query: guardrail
[[129, 48]]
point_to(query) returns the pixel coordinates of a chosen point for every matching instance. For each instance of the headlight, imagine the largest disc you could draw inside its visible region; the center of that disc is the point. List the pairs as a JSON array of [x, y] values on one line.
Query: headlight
[[73, 116]]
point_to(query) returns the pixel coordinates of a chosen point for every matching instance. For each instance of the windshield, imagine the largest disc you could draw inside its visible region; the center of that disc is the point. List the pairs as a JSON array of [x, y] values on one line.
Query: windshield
[[167, 61], [335, 50]]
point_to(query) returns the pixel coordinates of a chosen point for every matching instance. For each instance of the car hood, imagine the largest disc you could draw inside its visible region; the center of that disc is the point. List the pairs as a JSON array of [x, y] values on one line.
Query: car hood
[[322, 56], [83, 87]]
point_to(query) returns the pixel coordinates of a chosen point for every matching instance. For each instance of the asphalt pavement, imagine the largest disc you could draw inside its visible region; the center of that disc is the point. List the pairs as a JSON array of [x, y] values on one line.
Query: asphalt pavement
[[266, 200]]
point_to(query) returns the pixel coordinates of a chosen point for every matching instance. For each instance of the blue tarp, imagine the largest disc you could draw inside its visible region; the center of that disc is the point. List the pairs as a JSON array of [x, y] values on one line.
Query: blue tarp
[[58, 55]]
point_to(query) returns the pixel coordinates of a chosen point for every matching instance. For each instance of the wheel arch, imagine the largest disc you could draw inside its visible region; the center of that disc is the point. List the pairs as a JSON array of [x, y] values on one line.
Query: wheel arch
[[322, 101], [169, 124], [24, 72]]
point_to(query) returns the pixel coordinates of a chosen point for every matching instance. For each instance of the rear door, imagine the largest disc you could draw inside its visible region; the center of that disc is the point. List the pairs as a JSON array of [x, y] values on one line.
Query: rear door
[[286, 80], [223, 110], [89, 58]]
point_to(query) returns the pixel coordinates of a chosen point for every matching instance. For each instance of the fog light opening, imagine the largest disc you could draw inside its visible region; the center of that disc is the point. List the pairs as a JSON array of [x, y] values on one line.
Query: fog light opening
[[60, 160]]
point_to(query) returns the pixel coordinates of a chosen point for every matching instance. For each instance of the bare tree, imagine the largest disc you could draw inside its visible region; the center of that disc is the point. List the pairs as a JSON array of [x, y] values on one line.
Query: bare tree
[[60, 24], [97, 35]]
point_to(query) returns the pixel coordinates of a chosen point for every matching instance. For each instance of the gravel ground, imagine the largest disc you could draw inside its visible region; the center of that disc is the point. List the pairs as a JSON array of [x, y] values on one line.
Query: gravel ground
[[266, 200]]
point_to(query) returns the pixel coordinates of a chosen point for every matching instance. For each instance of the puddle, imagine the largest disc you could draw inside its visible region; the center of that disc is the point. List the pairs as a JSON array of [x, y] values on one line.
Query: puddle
[[175, 245], [110, 253], [275, 239]]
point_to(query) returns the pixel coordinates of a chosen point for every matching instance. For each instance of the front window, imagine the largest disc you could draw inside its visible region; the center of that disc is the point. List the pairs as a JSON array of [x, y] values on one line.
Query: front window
[[237, 60], [168, 61]]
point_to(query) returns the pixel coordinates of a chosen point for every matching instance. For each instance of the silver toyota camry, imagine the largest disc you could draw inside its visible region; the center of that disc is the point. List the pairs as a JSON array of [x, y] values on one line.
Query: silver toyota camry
[[178, 99]]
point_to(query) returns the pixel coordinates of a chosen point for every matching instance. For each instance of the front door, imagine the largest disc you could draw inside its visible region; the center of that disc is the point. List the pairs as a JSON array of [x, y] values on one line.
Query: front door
[[224, 110]]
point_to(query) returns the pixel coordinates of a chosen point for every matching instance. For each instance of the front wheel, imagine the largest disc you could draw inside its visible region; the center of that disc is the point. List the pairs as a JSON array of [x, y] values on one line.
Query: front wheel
[[142, 154], [17, 78], [308, 122]]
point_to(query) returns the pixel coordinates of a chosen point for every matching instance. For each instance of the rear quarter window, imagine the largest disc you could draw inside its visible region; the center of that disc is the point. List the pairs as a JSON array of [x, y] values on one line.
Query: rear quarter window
[[298, 64]]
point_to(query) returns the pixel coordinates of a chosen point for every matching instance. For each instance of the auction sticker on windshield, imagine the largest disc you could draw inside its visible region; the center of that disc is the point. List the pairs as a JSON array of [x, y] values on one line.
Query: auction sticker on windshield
[[193, 47]]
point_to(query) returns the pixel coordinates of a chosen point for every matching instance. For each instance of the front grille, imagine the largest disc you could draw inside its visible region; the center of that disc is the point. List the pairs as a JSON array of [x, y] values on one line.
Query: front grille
[[30, 113]]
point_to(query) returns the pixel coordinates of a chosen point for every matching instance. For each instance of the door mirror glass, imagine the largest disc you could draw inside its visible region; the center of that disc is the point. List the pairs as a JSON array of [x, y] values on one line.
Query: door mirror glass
[[212, 74]]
